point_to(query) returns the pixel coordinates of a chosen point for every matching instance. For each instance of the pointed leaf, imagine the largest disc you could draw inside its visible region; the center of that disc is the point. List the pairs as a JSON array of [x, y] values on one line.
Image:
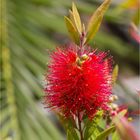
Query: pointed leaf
[[72, 134], [115, 74], [105, 133], [92, 129], [115, 136], [72, 30], [125, 129], [72, 18], [77, 19], [122, 113], [96, 19], [69, 135], [70, 127]]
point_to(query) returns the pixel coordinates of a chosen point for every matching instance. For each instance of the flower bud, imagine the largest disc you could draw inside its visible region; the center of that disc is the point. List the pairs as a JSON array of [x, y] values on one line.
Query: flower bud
[[129, 119], [113, 113], [111, 99], [84, 57], [115, 97], [114, 106]]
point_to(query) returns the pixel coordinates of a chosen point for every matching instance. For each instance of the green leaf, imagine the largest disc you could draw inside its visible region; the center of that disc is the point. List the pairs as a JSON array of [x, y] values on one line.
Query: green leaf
[[115, 136], [96, 19], [76, 18], [72, 30], [105, 133], [72, 134], [92, 129], [70, 127], [72, 18], [115, 74], [69, 135]]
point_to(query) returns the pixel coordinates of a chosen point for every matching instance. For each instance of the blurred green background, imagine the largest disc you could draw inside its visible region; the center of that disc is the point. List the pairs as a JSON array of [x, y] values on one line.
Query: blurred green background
[[31, 28]]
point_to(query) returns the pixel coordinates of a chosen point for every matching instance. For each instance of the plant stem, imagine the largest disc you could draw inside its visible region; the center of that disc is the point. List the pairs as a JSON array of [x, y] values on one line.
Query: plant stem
[[80, 128], [82, 38]]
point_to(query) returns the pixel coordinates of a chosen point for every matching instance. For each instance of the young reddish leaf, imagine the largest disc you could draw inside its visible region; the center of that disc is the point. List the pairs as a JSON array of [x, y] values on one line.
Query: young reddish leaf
[[122, 113], [115, 74], [133, 30], [124, 129], [72, 30], [95, 20], [77, 19]]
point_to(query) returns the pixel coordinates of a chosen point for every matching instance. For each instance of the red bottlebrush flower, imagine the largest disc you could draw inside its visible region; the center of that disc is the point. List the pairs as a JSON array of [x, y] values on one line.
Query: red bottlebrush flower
[[78, 81]]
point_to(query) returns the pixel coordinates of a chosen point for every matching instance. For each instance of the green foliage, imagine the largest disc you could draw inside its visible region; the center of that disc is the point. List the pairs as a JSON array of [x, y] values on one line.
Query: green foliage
[[70, 128], [72, 134], [72, 30], [115, 136], [96, 19], [92, 128], [105, 133], [23, 62], [74, 24], [75, 27], [76, 18]]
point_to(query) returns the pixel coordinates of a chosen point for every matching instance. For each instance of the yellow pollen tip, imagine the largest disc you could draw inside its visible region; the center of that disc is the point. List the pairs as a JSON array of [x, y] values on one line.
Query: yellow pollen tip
[[81, 60], [84, 57]]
